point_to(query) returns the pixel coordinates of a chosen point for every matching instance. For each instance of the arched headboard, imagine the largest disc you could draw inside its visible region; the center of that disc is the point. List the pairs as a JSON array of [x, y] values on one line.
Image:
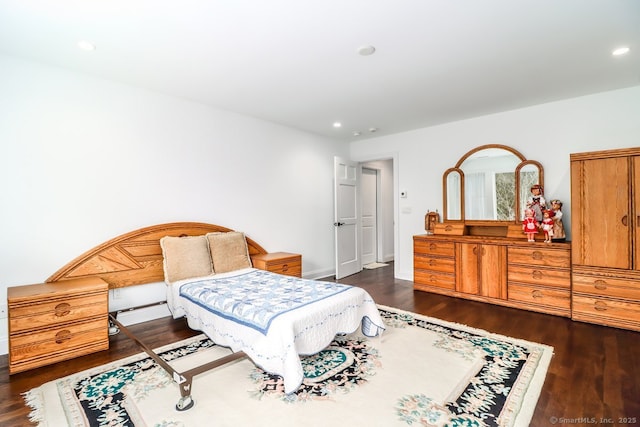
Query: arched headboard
[[135, 258]]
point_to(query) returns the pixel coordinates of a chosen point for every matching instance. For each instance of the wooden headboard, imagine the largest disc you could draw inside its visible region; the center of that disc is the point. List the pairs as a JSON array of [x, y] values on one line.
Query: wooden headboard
[[135, 258]]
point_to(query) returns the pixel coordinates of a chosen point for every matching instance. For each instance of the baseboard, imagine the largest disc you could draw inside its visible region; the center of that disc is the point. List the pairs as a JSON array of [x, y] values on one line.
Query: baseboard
[[319, 274], [144, 314]]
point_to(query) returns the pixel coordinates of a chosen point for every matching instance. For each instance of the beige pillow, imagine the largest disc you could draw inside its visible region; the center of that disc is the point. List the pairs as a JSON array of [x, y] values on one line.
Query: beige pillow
[[229, 251], [185, 257]]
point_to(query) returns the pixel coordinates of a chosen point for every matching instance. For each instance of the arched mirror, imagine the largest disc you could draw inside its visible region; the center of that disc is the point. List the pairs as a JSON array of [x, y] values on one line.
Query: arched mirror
[[489, 185], [453, 183]]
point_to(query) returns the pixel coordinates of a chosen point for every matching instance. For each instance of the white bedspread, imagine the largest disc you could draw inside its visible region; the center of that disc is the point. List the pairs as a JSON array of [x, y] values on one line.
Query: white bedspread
[[300, 331]]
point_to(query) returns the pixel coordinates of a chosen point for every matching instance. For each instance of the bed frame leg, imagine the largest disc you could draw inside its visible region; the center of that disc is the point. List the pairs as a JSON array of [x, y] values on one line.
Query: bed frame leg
[[185, 403], [184, 382]]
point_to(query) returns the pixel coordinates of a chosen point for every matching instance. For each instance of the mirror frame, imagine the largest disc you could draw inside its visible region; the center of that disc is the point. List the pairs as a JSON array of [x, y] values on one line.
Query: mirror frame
[[457, 168]]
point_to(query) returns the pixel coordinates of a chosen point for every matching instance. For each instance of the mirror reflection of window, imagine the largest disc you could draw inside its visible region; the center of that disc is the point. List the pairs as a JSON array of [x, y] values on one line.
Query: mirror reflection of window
[[453, 196], [477, 204], [528, 178], [505, 197]]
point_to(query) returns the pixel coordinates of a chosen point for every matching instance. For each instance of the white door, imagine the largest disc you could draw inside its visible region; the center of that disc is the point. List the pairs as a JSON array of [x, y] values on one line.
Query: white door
[[369, 218], [346, 220]]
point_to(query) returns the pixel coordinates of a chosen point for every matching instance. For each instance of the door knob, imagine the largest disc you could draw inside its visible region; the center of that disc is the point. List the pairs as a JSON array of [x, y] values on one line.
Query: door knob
[[338, 224]]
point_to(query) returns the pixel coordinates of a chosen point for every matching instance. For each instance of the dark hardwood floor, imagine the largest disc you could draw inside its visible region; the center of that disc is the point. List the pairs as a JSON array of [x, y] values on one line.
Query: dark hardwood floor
[[594, 376]]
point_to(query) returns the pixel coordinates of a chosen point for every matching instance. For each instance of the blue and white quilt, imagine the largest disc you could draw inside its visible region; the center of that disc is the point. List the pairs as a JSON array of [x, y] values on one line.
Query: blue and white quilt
[[273, 318], [254, 298]]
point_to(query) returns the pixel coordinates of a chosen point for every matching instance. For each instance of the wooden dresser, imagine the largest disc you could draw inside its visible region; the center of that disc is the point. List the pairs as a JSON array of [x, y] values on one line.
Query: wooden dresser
[[51, 322], [532, 276], [279, 262], [605, 202]]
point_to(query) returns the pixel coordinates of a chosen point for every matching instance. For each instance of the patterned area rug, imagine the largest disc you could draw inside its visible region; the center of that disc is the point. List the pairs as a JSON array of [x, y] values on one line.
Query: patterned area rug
[[422, 371]]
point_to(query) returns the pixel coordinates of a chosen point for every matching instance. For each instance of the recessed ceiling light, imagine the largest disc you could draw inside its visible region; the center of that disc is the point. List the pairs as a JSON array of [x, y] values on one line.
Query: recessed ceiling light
[[621, 51], [337, 124], [372, 130], [366, 50], [356, 133], [85, 45]]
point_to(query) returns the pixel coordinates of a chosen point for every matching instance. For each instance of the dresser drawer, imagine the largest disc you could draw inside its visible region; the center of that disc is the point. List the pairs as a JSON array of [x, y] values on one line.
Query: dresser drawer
[[539, 257], [540, 296], [434, 278], [434, 247], [444, 265], [606, 286], [539, 276], [52, 341], [51, 313], [593, 307]]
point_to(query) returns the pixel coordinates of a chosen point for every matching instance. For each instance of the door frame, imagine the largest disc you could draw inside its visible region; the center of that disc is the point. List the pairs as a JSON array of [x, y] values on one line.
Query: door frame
[[393, 156]]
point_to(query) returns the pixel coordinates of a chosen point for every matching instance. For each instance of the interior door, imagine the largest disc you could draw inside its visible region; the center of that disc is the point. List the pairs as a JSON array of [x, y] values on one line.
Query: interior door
[[369, 217], [346, 218]]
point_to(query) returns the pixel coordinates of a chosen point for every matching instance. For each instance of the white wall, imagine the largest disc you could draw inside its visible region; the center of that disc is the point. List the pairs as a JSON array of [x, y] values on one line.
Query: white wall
[[547, 133], [83, 160]]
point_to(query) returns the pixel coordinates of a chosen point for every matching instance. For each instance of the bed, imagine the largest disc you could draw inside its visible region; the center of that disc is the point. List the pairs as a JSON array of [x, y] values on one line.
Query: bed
[[271, 318]]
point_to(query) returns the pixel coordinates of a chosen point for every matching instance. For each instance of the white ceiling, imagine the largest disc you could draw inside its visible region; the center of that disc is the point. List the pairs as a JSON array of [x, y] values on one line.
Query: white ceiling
[[295, 62]]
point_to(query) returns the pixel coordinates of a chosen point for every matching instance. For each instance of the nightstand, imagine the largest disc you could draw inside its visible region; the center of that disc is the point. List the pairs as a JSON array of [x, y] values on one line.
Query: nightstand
[[279, 262], [51, 322]]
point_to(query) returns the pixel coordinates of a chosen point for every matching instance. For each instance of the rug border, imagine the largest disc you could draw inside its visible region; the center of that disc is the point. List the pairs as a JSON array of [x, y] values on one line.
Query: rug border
[[33, 397], [527, 406], [534, 388]]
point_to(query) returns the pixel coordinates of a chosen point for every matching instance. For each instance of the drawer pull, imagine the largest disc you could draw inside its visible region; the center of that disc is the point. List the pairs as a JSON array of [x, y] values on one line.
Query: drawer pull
[[536, 274], [432, 246], [432, 262], [285, 267], [600, 306], [448, 228], [63, 336], [432, 279], [537, 294], [537, 255], [600, 284], [62, 309]]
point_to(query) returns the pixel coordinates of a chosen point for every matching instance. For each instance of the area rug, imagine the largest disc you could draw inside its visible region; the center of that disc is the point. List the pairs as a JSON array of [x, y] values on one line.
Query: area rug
[[374, 265], [421, 372]]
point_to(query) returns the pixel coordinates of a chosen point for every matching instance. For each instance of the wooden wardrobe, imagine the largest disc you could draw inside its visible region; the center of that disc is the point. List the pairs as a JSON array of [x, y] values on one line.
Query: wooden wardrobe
[[605, 211]]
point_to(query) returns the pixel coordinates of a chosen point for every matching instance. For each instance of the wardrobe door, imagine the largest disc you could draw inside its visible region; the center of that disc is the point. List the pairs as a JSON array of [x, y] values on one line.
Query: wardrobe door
[[635, 196], [601, 198]]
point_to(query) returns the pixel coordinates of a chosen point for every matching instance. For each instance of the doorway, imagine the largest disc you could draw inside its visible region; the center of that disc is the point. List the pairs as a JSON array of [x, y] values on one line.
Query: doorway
[[377, 220]]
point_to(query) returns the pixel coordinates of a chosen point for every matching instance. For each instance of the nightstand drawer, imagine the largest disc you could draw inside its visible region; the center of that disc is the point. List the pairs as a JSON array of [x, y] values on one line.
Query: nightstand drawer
[[279, 262], [290, 268], [55, 321], [51, 313], [49, 342]]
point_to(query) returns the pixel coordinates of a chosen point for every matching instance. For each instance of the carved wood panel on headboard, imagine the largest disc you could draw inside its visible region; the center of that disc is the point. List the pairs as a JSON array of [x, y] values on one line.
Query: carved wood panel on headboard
[[135, 258]]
